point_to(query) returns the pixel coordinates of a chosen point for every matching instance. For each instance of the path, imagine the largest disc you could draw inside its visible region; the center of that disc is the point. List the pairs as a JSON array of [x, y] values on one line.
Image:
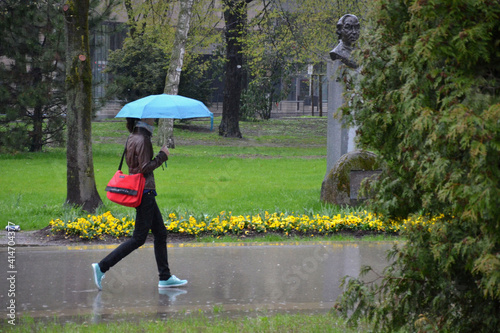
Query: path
[[233, 278]]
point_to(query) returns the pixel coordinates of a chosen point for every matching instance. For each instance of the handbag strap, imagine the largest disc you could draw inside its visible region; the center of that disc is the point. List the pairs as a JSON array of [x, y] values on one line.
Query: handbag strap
[[123, 155]]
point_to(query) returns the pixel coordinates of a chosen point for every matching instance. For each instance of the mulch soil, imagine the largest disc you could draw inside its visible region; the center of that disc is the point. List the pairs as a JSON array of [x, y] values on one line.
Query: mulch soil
[[45, 237]]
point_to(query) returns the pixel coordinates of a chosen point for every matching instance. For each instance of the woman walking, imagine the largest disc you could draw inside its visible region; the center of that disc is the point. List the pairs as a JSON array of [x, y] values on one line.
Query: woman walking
[[139, 157]]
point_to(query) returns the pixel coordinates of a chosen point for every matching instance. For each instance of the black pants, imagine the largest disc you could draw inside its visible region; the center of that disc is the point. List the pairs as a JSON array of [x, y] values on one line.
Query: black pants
[[148, 218]]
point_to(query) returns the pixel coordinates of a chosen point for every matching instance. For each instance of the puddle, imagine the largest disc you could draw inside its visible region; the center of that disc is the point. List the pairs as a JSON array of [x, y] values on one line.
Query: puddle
[[224, 279]]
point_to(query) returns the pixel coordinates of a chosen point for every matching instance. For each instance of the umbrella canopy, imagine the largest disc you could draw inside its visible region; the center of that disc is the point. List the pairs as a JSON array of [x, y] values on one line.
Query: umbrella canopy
[[165, 106]]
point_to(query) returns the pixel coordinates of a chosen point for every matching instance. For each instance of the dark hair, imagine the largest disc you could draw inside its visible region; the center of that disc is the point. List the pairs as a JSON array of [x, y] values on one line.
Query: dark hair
[[131, 123]]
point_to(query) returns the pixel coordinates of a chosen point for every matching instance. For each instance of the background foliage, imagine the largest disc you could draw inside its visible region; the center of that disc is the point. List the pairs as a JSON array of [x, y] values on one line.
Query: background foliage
[[428, 104], [283, 38], [31, 93], [32, 71], [139, 68]]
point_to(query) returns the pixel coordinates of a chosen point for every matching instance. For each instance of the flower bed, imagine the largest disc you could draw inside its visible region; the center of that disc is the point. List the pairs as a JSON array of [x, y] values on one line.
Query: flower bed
[[93, 227]]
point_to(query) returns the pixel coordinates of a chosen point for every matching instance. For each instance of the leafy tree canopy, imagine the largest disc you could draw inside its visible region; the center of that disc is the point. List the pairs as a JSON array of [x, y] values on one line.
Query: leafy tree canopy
[[283, 38], [140, 67]]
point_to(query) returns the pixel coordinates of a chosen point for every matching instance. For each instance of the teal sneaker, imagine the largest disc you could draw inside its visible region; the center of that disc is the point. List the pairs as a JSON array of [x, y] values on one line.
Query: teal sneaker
[[173, 281], [98, 275]]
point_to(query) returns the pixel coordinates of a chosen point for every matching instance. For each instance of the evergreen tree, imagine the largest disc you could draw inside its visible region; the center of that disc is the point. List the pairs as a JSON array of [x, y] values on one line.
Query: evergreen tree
[[428, 104], [32, 74]]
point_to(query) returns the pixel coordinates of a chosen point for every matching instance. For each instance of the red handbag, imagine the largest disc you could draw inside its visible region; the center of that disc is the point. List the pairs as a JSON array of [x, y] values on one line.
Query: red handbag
[[125, 189]]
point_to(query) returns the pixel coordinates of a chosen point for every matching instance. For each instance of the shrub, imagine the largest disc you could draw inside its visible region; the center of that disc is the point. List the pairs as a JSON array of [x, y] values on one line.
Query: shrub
[[428, 105]]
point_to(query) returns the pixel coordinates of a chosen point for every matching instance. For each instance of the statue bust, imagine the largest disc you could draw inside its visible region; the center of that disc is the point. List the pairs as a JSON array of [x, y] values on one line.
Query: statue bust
[[348, 32]]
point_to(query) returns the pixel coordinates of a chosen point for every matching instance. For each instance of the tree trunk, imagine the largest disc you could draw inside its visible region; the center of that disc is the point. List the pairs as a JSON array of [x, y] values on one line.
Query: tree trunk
[[166, 126], [37, 133], [235, 20], [131, 20], [37, 117], [81, 187]]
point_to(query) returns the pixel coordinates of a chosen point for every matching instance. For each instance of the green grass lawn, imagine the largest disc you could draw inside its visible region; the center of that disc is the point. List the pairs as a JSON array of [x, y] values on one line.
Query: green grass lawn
[[278, 166], [216, 323]]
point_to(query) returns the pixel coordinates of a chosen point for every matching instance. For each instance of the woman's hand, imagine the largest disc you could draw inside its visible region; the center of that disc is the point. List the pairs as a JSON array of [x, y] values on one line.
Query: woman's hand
[[165, 150]]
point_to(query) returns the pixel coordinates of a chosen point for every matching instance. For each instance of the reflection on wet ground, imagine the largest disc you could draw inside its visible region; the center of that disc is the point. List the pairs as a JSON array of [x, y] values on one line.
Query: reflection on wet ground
[[231, 277]]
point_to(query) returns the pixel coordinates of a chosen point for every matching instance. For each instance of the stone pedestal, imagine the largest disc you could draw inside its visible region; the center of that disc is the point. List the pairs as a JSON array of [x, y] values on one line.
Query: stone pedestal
[[340, 140], [337, 137], [338, 184], [357, 178], [342, 156]]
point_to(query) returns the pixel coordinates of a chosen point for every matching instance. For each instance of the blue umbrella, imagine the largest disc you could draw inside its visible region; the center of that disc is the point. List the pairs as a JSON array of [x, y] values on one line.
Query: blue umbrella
[[166, 106]]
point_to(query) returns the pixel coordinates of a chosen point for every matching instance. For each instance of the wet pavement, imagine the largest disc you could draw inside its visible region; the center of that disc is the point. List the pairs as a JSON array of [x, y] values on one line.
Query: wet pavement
[[233, 278]]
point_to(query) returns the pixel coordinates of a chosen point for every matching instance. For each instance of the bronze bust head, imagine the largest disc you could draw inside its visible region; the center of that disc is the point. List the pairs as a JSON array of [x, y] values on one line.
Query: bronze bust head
[[348, 32]]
